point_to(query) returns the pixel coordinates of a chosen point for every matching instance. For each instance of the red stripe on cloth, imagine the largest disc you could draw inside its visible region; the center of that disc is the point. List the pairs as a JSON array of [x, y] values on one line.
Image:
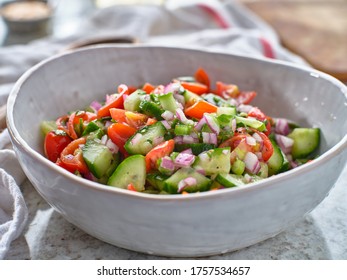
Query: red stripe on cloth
[[267, 48], [217, 17]]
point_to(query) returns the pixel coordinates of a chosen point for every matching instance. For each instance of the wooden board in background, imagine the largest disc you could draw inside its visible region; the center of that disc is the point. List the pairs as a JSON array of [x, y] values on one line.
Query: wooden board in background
[[315, 30]]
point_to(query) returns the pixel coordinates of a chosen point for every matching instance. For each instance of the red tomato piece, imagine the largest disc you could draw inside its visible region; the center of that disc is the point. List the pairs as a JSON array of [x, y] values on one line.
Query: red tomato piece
[[202, 77], [159, 151], [71, 157], [55, 143], [119, 134]]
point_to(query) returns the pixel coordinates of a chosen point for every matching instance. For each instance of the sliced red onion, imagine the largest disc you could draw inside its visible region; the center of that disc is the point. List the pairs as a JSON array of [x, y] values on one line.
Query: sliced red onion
[[187, 182], [212, 124], [200, 124], [95, 105], [233, 125], [110, 98], [184, 160], [244, 108], [90, 176], [104, 139], [187, 139], [282, 126], [204, 157], [209, 138], [159, 89], [179, 98], [293, 164], [167, 163], [285, 143], [172, 87], [136, 139], [112, 146], [178, 139], [200, 170], [259, 155], [166, 124], [158, 140], [252, 163], [167, 115], [251, 141], [108, 123], [187, 151], [181, 116]]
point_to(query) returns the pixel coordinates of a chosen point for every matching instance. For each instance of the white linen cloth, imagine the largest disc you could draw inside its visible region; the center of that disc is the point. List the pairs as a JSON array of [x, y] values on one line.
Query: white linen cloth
[[225, 26]]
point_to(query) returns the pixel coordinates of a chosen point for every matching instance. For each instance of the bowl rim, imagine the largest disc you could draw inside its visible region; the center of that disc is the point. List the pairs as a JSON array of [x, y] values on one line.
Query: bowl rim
[[334, 151]]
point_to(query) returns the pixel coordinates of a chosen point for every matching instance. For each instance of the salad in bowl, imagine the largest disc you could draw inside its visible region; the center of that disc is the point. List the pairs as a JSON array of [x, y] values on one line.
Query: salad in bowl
[[183, 136]]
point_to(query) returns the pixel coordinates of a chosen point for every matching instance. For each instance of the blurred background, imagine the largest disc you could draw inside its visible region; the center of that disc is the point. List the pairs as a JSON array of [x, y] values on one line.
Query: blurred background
[[314, 29]]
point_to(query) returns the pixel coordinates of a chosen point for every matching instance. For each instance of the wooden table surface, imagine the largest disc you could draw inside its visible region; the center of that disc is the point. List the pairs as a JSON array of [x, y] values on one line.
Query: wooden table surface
[[313, 29]]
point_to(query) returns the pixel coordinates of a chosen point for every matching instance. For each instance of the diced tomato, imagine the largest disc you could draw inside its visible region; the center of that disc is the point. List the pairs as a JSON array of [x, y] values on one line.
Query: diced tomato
[[159, 151], [245, 97], [196, 88], [202, 77], [227, 90], [234, 141], [119, 134], [131, 89], [255, 112], [131, 187], [71, 157], [75, 119], [118, 115], [136, 120], [148, 88], [267, 149], [117, 102], [55, 142], [198, 109]]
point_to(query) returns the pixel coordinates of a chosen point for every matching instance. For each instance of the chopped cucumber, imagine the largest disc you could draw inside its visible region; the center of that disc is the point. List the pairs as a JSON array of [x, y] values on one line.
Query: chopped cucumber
[[229, 180], [168, 102], [182, 129], [132, 170], [157, 180], [132, 102], [197, 148], [152, 109], [214, 161], [98, 158], [251, 123], [238, 167], [230, 111], [276, 161], [306, 141], [143, 141], [190, 97], [92, 126], [202, 182]]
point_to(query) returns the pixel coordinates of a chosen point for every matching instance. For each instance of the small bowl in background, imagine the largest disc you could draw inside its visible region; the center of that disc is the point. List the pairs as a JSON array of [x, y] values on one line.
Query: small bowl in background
[[26, 16]]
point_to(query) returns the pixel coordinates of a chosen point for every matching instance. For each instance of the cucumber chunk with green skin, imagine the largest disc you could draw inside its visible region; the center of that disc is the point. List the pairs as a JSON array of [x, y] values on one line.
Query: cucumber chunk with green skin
[[197, 148], [251, 123], [132, 170], [229, 180], [306, 141], [191, 97], [152, 109], [214, 161], [98, 158], [202, 183], [143, 140], [132, 102], [168, 102], [157, 180], [276, 161]]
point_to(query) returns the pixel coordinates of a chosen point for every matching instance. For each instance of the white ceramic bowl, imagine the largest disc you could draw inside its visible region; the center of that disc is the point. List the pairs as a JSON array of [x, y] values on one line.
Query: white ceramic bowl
[[192, 225]]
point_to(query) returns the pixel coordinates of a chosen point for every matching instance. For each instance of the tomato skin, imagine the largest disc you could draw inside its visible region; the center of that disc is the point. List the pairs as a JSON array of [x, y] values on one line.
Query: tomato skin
[[54, 144], [202, 77], [159, 151], [119, 134], [226, 90], [71, 157], [267, 149], [198, 109], [118, 102], [255, 112], [74, 119], [245, 97], [195, 87]]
